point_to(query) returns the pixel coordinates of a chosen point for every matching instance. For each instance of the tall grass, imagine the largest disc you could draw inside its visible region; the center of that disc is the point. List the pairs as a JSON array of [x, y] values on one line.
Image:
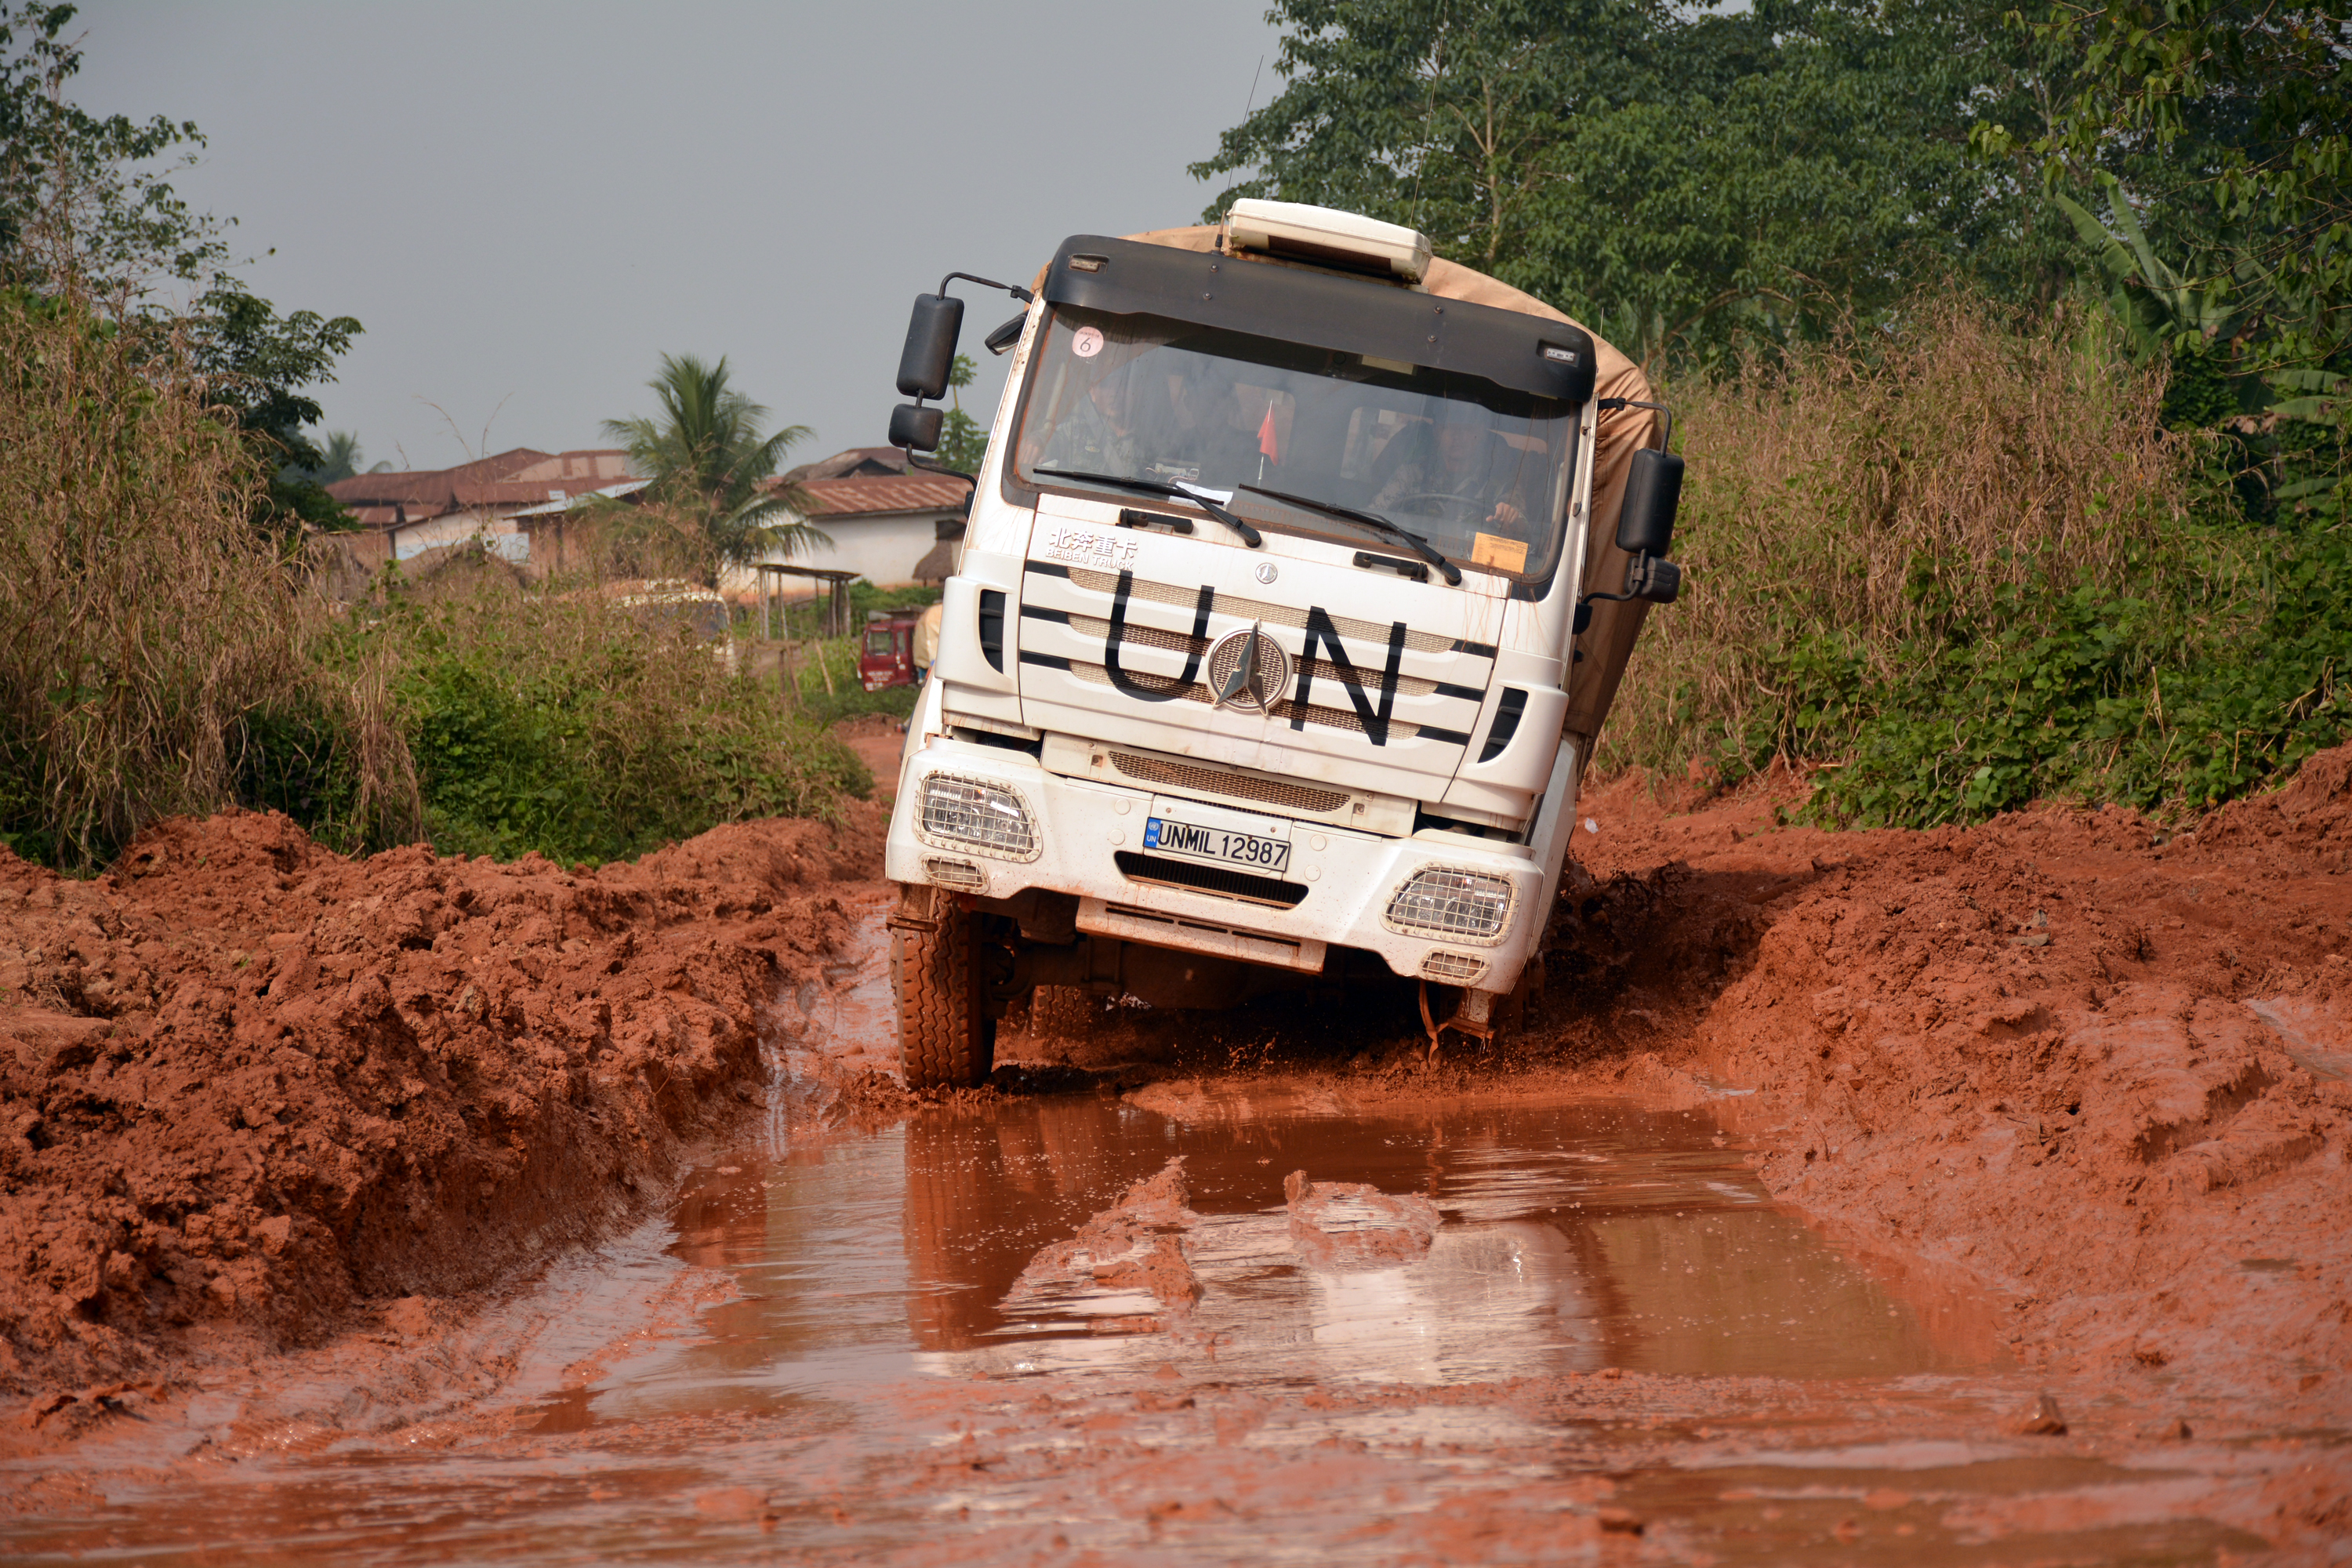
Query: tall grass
[[1876, 492], [141, 615], [1965, 564]]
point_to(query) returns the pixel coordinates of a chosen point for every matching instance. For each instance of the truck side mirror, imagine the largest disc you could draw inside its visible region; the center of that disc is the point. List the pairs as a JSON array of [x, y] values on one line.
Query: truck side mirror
[[915, 427], [1653, 490], [930, 354]]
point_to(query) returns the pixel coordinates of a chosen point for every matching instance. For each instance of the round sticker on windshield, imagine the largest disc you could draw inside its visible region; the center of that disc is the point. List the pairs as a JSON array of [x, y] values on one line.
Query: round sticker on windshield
[[1087, 343]]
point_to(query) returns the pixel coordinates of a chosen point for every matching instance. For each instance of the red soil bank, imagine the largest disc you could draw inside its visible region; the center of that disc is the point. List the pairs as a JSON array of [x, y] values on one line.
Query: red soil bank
[[246, 1084], [2100, 1065]]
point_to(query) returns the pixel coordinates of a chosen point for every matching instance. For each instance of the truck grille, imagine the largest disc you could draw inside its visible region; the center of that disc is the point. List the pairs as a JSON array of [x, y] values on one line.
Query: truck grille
[[1197, 692], [1240, 786], [1454, 968], [1207, 879]]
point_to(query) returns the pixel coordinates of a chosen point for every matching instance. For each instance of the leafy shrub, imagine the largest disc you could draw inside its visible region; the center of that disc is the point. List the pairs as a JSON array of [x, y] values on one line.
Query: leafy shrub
[[1969, 566], [559, 723]]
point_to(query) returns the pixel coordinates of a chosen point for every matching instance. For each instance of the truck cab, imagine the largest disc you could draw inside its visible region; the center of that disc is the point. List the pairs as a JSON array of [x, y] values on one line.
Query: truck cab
[[885, 651], [1275, 646]]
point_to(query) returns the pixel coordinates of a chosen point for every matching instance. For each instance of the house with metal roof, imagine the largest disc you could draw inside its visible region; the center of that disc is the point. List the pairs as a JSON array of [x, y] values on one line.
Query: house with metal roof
[[403, 515], [888, 525]]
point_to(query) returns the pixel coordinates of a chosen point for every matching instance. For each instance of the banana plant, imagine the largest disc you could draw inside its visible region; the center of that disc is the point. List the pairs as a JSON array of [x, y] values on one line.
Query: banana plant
[[2183, 308], [2328, 401]]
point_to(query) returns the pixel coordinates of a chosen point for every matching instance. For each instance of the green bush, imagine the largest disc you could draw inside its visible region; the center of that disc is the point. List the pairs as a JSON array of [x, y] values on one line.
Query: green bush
[[557, 722], [1968, 565], [2088, 693]]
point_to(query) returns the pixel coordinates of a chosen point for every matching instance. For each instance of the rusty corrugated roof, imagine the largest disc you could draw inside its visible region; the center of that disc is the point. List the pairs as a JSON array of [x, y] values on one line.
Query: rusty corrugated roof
[[486, 483], [876, 493], [855, 461], [431, 488]]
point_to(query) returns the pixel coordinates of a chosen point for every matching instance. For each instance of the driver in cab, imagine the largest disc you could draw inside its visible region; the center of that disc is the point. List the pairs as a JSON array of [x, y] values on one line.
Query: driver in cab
[[1458, 459]]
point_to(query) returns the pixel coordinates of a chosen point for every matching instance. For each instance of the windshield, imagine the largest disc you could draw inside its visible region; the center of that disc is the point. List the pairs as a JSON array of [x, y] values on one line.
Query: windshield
[[1480, 471]]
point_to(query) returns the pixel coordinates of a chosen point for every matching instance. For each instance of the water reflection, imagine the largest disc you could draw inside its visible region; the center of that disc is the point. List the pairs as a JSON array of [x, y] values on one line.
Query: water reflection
[[868, 1265], [1575, 1236]]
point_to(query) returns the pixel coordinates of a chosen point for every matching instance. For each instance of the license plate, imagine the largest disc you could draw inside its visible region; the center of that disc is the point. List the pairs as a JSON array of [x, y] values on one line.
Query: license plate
[[1217, 846]]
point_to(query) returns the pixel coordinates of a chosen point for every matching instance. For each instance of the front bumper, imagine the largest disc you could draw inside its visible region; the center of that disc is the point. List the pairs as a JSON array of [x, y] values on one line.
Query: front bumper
[[1080, 825]]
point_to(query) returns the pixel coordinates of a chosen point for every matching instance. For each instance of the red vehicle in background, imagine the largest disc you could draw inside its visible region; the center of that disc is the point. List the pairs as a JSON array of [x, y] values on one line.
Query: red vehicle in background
[[886, 657]]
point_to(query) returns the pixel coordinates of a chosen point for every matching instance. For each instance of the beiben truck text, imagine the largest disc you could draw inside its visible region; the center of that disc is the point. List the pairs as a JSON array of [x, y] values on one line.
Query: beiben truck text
[[1298, 580]]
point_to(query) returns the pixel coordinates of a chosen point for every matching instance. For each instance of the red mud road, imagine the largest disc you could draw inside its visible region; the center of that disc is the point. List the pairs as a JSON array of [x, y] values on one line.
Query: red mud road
[[1950, 1197]]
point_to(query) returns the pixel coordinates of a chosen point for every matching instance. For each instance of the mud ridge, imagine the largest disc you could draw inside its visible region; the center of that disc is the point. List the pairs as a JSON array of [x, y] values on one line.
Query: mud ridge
[[2100, 1065], [254, 1093]]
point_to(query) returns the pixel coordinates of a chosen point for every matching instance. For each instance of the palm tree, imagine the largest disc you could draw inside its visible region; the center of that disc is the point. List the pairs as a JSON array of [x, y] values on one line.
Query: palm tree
[[343, 457], [707, 460]]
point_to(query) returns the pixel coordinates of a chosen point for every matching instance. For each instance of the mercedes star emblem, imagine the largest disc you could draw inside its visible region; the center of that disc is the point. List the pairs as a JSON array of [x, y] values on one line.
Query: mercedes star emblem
[[1265, 571]]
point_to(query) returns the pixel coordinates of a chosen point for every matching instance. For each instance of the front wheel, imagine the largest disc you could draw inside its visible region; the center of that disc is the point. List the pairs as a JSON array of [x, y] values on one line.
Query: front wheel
[[939, 976]]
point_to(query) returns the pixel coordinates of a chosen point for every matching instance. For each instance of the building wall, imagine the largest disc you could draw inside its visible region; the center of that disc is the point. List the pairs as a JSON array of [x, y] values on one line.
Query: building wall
[[497, 534], [884, 550]]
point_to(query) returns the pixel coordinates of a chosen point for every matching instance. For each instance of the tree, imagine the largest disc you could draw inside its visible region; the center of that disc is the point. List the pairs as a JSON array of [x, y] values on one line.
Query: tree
[[963, 444], [1680, 180], [88, 214], [78, 204], [2252, 100], [2228, 124], [707, 458], [256, 364], [1446, 118], [342, 459]]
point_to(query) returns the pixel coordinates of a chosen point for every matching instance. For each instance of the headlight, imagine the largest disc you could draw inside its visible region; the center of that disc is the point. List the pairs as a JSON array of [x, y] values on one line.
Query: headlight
[[1439, 901], [975, 814]]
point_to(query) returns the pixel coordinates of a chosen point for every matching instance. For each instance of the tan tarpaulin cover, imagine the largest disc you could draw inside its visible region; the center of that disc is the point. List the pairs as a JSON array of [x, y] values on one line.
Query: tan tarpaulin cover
[[1592, 683]]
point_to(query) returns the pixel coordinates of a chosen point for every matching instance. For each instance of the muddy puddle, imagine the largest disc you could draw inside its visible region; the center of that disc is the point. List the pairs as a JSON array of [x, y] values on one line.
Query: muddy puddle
[[1574, 1238], [875, 1284]]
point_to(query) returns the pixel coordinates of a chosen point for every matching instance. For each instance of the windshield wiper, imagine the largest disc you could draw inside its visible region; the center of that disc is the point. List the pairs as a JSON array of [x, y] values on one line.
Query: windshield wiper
[[1250, 536], [1377, 523]]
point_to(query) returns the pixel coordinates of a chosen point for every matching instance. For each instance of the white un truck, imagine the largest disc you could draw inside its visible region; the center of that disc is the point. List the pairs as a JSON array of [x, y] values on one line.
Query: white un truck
[[1298, 578]]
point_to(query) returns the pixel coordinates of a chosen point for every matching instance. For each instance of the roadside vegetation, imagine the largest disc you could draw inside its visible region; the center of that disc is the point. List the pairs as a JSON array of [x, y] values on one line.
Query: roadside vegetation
[[493, 719], [1966, 563], [161, 654]]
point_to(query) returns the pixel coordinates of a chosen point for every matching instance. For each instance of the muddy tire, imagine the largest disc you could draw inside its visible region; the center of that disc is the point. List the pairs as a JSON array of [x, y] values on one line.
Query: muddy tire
[[938, 977]]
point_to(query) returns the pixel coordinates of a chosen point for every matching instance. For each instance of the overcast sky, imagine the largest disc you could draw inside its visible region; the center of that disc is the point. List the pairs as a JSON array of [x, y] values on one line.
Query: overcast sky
[[527, 203]]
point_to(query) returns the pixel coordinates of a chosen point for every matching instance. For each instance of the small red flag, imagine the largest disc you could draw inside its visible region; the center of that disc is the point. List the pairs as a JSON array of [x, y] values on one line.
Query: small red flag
[[1268, 443]]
